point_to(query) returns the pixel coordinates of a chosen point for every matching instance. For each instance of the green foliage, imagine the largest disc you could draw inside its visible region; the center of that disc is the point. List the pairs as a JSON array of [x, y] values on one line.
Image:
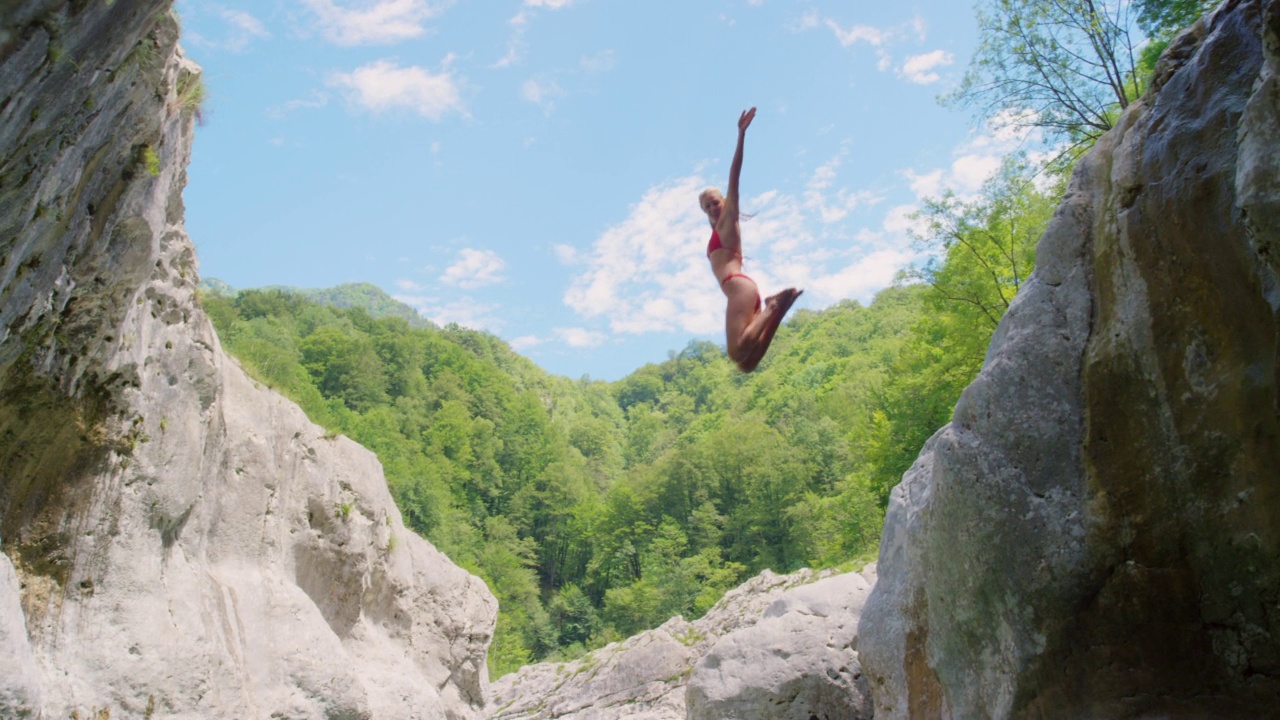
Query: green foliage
[[1064, 66], [150, 160], [1162, 19], [191, 94]]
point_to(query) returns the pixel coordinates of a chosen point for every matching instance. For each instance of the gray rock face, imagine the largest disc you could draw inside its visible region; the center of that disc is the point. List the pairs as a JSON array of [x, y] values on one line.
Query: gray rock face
[[178, 541], [1096, 532], [803, 626], [800, 661]]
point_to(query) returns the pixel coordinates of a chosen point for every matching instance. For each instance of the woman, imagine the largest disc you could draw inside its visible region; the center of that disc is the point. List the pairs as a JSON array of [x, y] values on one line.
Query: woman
[[748, 328]]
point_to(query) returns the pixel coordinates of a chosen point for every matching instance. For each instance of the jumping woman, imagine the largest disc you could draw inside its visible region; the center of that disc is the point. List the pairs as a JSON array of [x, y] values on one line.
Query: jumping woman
[[748, 328]]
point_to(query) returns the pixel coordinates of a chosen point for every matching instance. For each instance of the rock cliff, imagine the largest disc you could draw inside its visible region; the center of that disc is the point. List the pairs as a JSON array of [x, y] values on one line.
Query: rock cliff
[[1096, 533], [774, 648], [177, 541]]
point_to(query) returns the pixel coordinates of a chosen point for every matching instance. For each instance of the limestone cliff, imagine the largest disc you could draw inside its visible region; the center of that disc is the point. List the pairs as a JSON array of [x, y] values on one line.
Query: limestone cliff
[[1096, 533], [177, 541]]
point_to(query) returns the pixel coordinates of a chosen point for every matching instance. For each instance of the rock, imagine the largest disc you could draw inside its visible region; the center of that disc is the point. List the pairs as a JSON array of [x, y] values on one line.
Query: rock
[[20, 695], [645, 676], [799, 661], [1096, 532], [185, 542]]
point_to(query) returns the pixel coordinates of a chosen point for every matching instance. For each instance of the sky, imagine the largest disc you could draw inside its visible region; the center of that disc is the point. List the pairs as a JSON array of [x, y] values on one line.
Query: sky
[[531, 167]]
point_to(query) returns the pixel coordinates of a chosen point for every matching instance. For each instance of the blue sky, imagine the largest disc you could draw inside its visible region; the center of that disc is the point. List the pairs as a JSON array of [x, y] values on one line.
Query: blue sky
[[531, 167]]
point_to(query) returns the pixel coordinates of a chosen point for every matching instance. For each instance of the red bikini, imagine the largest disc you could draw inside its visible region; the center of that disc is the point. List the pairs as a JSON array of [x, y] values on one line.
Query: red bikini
[[714, 244]]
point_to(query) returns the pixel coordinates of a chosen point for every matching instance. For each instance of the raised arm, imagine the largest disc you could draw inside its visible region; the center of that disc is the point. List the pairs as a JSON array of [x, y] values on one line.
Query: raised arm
[[735, 169]]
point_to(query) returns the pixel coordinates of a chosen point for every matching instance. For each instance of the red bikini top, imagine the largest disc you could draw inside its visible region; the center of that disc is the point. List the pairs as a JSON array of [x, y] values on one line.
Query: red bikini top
[[714, 245]]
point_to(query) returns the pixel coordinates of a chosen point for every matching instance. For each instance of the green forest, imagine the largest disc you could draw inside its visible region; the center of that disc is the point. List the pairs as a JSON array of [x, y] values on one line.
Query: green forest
[[595, 510]]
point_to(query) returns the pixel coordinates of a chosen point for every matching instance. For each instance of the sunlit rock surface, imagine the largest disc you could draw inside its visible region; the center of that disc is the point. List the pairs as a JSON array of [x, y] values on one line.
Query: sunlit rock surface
[[178, 541], [777, 646], [1096, 534]]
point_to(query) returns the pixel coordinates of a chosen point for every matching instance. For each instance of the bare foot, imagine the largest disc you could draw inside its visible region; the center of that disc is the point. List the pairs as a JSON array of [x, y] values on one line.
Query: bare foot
[[777, 305]]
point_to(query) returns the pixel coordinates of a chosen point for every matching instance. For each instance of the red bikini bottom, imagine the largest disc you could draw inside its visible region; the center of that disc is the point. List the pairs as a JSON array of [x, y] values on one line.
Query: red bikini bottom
[[741, 275]]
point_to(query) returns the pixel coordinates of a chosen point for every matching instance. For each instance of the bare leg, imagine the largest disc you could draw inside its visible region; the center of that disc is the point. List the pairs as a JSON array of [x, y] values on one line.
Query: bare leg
[[759, 333]]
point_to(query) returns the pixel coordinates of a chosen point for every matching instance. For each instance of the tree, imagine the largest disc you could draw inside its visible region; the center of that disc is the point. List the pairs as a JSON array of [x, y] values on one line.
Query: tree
[[985, 248], [1162, 19], [1066, 66]]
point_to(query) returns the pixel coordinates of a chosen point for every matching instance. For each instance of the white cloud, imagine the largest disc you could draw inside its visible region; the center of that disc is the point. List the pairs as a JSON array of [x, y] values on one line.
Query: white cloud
[[969, 171], [372, 22], [925, 185], [464, 311], [865, 276], [978, 159], [474, 268], [246, 28], [834, 208], [409, 285], [542, 93], [858, 33], [919, 26], [579, 337], [550, 4], [649, 273], [382, 85], [566, 254], [524, 342], [919, 69], [898, 221], [315, 101]]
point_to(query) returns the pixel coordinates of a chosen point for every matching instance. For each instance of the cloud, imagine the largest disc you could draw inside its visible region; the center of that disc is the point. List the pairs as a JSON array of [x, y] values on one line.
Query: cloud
[[409, 285], [520, 24], [382, 85], [649, 272], [865, 276], [474, 268], [579, 337], [919, 69], [979, 158], [463, 311], [372, 22], [566, 254], [858, 33], [525, 342], [315, 101], [925, 185], [834, 208], [542, 93], [246, 28]]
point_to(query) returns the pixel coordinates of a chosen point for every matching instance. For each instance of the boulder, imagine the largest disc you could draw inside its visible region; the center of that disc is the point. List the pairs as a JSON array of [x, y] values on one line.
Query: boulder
[[1096, 532], [798, 661], [647, 677]]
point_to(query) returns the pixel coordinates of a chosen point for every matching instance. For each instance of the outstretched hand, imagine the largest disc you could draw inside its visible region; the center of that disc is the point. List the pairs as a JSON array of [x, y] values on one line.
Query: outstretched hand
[[745, 120]]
